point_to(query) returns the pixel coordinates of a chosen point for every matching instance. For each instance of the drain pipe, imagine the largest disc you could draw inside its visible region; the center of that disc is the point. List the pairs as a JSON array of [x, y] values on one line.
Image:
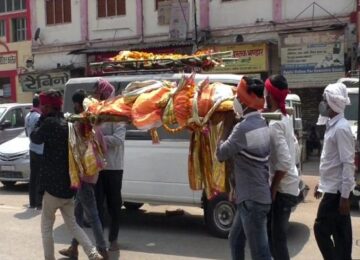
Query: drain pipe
[[140, 19]]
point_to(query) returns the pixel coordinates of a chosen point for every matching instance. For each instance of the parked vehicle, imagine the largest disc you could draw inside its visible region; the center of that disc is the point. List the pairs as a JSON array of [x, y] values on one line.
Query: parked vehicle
[[351, 114], [158, 174], [15, 160], [12, 120]]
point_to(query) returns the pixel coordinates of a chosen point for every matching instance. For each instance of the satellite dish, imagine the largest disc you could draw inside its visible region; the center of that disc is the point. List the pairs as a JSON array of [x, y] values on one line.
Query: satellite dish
[[37, 34]]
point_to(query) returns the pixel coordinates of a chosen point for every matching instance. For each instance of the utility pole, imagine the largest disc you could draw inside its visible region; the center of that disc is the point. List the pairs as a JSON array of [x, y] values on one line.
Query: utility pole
[[195, 24], [358, 69]]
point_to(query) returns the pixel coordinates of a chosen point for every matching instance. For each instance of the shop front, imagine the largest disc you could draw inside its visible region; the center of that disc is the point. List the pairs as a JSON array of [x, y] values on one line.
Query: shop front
[[13, 57], [248, 59], [44, 80], [310, 61], [103, 54], [8, 73]]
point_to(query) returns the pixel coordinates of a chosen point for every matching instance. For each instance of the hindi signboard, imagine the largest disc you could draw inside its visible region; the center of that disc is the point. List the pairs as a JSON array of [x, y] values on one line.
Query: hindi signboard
[[40, 81], [8, 60], [312, 59], [249, 58]]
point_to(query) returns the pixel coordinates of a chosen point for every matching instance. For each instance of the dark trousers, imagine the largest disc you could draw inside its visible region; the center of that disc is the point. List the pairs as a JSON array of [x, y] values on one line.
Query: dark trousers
[[109, 187], [332, 230], [278, 225], [35, 194]]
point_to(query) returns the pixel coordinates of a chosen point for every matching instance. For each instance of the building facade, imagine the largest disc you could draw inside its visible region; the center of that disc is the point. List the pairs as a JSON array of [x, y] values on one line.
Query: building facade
[[15, 48], [311, 43]]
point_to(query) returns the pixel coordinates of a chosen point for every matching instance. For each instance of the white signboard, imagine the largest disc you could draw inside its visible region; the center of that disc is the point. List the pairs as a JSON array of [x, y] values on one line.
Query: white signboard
[[40, 81], [312, 59]]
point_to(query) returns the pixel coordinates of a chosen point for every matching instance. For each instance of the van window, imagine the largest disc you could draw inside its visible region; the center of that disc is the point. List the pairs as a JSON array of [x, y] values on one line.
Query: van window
[[2, 110], [351, 112], [27, 110], [15, 117]]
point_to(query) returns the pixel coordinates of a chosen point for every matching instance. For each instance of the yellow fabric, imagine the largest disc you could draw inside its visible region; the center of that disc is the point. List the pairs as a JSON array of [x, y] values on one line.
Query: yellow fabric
[[205, 171]]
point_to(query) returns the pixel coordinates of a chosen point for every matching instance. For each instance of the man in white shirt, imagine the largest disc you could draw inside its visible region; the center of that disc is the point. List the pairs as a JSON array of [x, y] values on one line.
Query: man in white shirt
[[36, 153], [284, 175], [332, 226]]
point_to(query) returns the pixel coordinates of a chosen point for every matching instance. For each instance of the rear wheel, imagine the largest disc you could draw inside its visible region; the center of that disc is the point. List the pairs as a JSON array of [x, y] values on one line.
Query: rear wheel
[[133, 205], [8, 183], [219, 215]]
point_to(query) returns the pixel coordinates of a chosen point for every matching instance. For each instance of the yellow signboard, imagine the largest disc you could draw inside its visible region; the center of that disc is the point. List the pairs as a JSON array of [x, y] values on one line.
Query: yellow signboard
[[249, 58]]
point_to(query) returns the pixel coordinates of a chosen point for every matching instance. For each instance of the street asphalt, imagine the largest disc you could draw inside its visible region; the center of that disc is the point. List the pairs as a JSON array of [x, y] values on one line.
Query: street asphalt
[[151, 234]]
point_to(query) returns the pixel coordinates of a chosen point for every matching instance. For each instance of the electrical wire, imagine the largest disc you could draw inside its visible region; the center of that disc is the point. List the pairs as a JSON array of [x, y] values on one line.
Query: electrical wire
[[183, 12]]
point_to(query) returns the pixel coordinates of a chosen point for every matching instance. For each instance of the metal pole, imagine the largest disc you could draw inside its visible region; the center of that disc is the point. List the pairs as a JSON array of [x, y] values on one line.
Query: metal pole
[[195, 23], [357, 69], [358, 113]]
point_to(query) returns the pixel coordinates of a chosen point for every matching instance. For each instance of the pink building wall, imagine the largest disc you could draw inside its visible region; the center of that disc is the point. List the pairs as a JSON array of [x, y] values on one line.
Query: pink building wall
[[277, 10], [204, 14]]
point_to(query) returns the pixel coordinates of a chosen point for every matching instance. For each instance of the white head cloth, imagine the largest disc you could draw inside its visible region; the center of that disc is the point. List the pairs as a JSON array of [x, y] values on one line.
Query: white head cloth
[[336, 96]]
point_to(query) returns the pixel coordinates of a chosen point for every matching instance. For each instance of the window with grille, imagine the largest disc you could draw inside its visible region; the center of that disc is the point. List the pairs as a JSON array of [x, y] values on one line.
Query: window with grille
[[157, 3], [18, 29], [12, 5], [108, 8], [58, 11], [2, 28]]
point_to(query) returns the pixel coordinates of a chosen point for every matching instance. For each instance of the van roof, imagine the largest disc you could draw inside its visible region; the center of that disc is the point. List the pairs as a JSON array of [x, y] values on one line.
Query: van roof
[[223, 77], [353, 90], [349, 82], [293, 97], [8, 105]]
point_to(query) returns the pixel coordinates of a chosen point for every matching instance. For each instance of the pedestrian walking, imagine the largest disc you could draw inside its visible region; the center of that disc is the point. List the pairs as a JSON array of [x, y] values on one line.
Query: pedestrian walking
[[332, 226], [36, 152], [284, 176], [52, 131], [85, 201], [108, 186], [248, 146]]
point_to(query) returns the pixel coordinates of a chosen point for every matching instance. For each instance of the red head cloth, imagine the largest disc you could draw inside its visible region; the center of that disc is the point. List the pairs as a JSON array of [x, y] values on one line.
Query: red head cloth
[[278, 94], [104, 89], [55, 102], [249, 99]]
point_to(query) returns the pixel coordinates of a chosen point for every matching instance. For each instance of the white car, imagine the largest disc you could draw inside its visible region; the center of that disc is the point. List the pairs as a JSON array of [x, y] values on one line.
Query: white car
[[15, 160], [12, 119]]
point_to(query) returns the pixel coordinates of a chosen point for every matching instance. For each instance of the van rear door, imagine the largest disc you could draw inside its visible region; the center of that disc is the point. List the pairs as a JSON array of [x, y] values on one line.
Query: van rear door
[[157, 172]]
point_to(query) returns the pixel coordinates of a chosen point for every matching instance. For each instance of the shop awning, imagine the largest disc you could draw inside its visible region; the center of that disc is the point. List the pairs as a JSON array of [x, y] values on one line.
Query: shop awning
[[140, 46]]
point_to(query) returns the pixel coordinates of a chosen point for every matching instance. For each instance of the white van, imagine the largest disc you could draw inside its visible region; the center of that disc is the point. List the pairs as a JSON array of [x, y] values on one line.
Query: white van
[[351, 114], [158, 174]]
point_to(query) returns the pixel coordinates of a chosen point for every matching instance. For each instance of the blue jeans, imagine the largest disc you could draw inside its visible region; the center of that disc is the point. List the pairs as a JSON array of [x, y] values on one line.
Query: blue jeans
[[250, 224], [278, 225], [86, 202]]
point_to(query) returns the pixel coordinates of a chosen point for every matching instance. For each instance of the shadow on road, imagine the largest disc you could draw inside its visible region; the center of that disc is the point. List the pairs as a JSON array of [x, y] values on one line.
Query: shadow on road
[[157, 233], [180, 235], [355, 213], [17, 189], [27, 214], [298, 236]]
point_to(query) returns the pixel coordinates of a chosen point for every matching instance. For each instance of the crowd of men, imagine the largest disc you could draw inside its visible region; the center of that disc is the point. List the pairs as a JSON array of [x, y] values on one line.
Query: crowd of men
[[267, 179], [50, 182], [265, 173]]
